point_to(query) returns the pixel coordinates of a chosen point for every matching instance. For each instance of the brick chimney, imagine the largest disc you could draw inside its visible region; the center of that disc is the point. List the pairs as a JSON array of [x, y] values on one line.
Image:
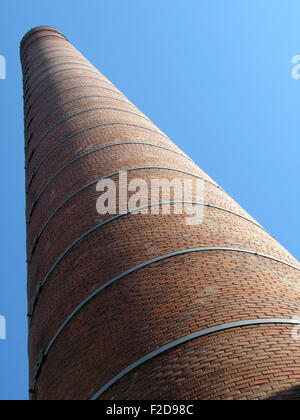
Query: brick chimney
[[140, 306]]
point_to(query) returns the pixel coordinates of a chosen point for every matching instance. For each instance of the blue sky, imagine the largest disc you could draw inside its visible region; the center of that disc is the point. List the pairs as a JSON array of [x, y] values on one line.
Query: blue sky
[[215, 75]]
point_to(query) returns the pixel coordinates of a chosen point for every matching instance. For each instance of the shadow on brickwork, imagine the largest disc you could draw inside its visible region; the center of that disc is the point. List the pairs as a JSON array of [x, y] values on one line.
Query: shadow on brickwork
[[292, 394]]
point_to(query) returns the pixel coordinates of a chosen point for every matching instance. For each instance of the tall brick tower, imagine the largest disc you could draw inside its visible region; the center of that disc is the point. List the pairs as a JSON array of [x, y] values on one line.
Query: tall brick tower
[[140, 306]]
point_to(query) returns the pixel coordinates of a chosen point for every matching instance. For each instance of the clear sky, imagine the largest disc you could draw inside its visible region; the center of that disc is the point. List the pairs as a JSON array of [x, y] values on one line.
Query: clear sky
[[215, 75]]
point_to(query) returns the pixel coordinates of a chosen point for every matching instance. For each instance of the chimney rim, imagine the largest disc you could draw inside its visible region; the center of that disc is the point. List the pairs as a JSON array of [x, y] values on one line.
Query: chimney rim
[[37, 30]]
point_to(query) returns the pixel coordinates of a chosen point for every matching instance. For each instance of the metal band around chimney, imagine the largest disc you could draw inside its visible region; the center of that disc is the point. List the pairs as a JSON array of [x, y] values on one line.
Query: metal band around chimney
[[38, 236], [39, 30], [69, 102], [188, 338], [33, 32], [26, 64], [94, 151], [25, 47], [108, 124], [100, 225], [47, 71], [35, 201], [167, 256], [41, 105], [170, 346], [34, 172], [32, 70], [85, 130], [29, 74], [59, 71], [103, 148], [102, 81], [30, 93], [130, 271], [45, 102], [69, 89], [84, 111], [26, 102], [59, 81]]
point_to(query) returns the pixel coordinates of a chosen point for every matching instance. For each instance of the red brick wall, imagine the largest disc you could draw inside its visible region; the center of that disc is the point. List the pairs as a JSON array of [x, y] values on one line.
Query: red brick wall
[[155, 305]]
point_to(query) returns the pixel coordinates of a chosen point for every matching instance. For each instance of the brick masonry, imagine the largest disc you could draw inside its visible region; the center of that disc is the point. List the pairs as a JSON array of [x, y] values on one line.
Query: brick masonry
[[70, 111]]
